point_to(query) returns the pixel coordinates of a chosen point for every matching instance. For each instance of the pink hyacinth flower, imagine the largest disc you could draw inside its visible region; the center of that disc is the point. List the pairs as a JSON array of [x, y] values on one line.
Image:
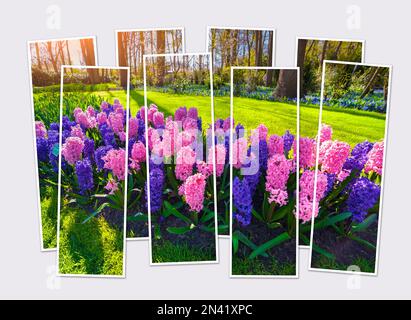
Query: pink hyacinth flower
[[72, 149], [193, 113], [185, 160], [307, 152], [158, 118], [325, 133], [239, 152], [278, 171], [114, 160], [275, 145], [91, 112], [111, 186], [142, 112], [332, 156], [101, 118], [132, 127], [151, 110], [220, 154], [41, 131], [76, 131], [306, 196], [138, 151], [194, 188], [115, 122], [375, 159]]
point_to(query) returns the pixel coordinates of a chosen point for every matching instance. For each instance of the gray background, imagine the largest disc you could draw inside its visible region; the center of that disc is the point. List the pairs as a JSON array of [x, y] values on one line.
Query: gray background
[[25, 272]]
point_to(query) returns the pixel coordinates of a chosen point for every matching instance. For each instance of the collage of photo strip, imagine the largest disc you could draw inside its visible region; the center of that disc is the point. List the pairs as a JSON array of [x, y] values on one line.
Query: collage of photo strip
[[180, 149]]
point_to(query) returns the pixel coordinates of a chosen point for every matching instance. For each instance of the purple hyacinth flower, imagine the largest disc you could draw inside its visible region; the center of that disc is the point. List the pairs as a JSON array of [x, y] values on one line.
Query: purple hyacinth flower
[[242, 201], [84, 173]]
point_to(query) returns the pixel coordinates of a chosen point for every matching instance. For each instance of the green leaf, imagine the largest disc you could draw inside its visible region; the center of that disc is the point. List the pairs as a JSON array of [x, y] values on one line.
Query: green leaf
[[365, 224], [241, 237], [171, 210], [235, 243], [332, 220], [157, 232], [274, 225], [323, 252], [269, 244], [93, 214], [207, 216], [180, 230], [363, 242], [282, 212], [222, 228], [317, 248], [257, 215]]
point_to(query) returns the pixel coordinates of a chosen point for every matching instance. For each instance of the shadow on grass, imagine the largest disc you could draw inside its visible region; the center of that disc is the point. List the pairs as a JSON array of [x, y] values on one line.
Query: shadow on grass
[[94, 248]]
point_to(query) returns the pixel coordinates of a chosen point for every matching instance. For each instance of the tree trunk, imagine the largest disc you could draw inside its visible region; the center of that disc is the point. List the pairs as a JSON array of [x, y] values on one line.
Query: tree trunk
[[88, 53], [269, 79], [370, 83], [142, 51], [122, 57], [302, 45], [249, 44], [52, 57], [286, 84], [38, 56], [161, 45], [258, 48], [234, 45], [337, 51], [323, 53]]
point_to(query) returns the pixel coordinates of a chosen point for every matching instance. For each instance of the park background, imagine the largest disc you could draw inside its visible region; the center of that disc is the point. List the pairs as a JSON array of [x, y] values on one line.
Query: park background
[[29, 273]]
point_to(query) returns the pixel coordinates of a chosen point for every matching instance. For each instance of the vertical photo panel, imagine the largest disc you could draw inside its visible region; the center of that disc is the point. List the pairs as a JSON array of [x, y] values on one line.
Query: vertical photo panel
[[132, 45], [230, 47], [45, 60], [349, 170], [93, 171], [310, 55], [264, 172], [181, 182]]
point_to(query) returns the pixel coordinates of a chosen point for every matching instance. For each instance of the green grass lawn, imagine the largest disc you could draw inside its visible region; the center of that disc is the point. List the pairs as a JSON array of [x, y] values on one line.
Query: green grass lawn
[[254, 267], [94, 248], [49, 217], [364, 265], [166, 252], [352, 126]]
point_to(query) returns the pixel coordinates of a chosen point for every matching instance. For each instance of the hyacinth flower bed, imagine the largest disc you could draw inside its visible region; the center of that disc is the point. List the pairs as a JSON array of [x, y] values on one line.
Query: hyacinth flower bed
[[346, 204], [264, 184], [46, 110], [93, 172], [181, 187]]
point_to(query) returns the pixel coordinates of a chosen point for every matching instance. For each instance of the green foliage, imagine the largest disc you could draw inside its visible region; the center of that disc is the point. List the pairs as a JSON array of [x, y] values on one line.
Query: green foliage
[[335, 50], [76, 87]]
